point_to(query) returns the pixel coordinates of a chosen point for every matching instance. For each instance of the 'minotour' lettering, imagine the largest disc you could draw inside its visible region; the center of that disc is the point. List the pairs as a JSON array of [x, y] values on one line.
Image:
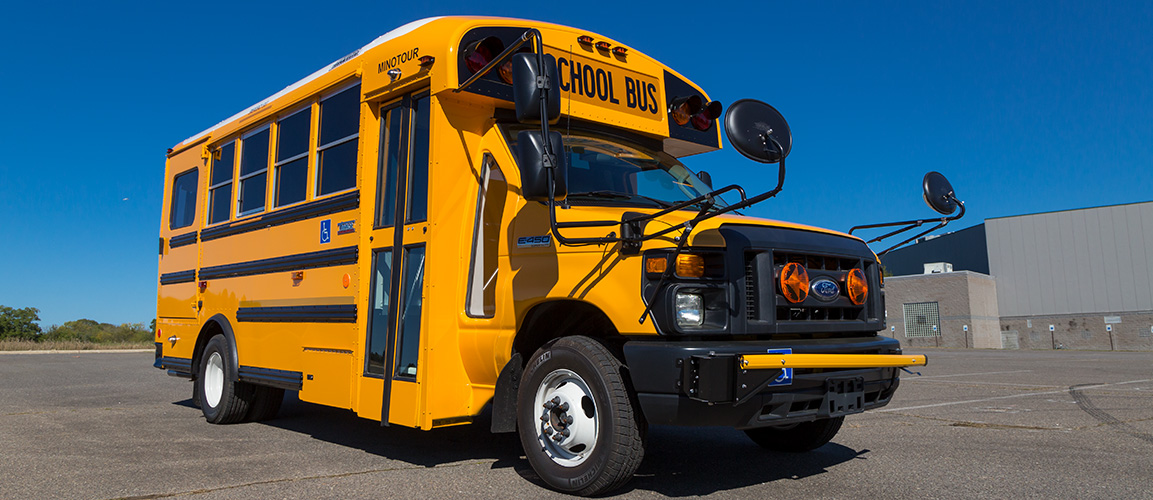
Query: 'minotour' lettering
[[397, 60], [597, 83]]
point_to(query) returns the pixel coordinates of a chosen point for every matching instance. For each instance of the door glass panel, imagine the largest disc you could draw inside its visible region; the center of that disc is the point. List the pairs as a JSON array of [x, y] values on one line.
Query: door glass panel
[[378, 323], [409, 341], [389, 165], [418, 171]]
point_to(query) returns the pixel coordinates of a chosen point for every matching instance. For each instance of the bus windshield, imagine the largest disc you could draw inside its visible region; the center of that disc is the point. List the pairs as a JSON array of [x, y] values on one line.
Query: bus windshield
[[607, 170]]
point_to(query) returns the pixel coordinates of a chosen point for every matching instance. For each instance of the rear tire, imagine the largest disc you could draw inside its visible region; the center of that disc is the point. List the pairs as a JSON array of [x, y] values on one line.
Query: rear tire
[[221, 400], [574, 389], [799, 438]]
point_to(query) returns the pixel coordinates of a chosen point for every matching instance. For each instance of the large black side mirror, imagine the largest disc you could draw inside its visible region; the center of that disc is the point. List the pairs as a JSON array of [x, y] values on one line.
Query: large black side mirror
[[939, 193], [530, 153], [527, 81], [753, 127]]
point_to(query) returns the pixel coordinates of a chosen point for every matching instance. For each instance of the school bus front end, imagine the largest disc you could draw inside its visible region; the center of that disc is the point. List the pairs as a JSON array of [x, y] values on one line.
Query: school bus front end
[[491, 215]]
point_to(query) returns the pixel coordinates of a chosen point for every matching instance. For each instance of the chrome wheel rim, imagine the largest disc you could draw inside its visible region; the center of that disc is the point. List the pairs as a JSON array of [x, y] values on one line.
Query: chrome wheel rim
[[213, 379], [567, 424]]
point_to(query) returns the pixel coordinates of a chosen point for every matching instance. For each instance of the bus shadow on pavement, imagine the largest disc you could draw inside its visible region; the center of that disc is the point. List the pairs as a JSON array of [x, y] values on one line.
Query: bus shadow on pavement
[[679, 461]]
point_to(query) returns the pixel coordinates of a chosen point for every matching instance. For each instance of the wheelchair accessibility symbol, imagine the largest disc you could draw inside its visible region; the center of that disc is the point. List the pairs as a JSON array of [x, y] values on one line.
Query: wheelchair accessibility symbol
[[786, 377]]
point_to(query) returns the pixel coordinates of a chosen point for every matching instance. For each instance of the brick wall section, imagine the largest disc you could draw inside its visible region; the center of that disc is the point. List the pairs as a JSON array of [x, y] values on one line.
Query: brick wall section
[[963, 298], [1084, 331]]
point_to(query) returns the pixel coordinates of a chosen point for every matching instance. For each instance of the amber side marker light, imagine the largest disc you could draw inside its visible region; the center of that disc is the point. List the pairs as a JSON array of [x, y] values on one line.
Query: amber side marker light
[[857, 287], [690, 266], [794, 282], [426, 61]]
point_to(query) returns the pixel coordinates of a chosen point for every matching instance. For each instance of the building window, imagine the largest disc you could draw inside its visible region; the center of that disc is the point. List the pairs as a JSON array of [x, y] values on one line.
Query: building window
[[183, 210], [253, 191], [481, 299], [220, 187], [291, 169], [337, 147], [922, 319]]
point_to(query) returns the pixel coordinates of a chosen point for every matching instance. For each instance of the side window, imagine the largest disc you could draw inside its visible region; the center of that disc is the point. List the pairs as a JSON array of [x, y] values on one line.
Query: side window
[[418, 167], [183, 210], [253, 190], [292, 158], [490, 198], [220, 188], [337, 149]]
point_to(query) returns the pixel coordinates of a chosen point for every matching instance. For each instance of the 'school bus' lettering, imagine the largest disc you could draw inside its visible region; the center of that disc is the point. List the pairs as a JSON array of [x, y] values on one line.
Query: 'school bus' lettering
[[457, 281]]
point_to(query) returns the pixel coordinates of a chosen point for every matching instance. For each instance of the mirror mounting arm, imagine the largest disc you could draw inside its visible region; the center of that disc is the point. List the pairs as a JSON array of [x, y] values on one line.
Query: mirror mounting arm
[[944, 221], [910, 224]]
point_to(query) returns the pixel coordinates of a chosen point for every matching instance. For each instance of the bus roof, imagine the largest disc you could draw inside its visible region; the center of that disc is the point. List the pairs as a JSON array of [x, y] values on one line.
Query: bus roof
[[653, 120]]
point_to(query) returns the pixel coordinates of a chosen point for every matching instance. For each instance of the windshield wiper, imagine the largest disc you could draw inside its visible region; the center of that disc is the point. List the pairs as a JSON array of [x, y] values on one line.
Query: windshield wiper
[[605, 194]]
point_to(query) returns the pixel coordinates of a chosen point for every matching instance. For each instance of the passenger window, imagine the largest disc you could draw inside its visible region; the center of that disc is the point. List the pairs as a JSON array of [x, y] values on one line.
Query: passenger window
[[292, 158], [481, 299], [337, 149], [418, 168], [253, 190], [220, 190], [183, 210]]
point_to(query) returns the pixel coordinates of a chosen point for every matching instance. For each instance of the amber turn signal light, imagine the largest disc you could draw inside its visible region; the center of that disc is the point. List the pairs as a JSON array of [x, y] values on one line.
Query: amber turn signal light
[[656, 264], [794, 282], [690, 266], [857, 287]]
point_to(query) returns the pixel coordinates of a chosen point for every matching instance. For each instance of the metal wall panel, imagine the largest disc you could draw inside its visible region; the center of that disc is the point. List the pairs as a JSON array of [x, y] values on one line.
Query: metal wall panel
[[1093, 260]]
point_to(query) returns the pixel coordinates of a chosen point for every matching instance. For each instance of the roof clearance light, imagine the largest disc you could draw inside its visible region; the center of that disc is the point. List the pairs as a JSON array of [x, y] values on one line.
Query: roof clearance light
[[707, 116], [426, 61], [620, 51], [857, 287], [585, 40], [794, 282], [604, 45], [683, 108], [481, 52], [690, 266]]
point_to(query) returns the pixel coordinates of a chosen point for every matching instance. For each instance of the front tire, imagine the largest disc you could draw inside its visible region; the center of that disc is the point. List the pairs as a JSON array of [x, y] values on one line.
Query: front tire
[[799, 438], [576, 420], [221, 400]]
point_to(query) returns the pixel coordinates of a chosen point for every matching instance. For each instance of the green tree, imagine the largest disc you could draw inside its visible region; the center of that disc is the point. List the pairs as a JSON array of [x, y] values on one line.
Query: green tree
[[19, 323]]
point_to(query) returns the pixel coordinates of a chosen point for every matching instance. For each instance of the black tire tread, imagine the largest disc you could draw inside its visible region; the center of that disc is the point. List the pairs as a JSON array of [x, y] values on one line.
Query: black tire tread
[[236, 398], [627, 427]]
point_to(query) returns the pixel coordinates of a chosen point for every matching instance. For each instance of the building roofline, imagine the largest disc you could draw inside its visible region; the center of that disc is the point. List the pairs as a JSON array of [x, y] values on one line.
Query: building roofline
[[1070, 210]]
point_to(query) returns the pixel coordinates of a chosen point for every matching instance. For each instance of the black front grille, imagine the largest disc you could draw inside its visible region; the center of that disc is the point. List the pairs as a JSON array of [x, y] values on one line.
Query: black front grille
[[759, 280]]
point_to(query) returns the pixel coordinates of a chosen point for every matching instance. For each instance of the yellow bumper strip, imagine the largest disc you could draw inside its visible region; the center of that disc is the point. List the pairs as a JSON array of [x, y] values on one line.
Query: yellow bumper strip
[[767, 361]]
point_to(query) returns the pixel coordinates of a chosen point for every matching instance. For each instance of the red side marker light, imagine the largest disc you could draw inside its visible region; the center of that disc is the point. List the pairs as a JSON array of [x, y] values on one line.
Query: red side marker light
[[426, 61]]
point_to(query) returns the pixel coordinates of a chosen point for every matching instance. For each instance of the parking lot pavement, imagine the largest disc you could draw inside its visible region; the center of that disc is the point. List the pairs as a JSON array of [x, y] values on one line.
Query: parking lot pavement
[[1063, 424]]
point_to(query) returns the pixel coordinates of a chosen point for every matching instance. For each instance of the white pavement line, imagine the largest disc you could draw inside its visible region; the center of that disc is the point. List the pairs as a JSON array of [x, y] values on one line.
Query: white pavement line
[[903, 379], [1082, 388], [79, 351], [1006, 384]]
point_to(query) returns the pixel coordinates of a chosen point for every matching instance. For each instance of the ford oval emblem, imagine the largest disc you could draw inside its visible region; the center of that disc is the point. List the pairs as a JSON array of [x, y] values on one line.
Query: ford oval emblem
[[826, 289]]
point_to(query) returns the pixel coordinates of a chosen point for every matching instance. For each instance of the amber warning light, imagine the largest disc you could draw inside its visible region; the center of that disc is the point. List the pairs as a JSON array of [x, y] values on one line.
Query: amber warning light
[[794, 282]]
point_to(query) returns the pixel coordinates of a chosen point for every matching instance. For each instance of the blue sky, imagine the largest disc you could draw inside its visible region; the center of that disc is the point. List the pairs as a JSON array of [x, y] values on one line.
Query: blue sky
[[1025, 106]]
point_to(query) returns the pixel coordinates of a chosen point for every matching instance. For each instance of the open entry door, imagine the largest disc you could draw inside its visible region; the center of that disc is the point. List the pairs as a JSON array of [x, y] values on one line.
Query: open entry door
[[399, 238]]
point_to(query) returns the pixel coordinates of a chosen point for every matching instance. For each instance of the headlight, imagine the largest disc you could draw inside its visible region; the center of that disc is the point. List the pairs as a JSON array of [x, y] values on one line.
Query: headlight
[[690, 309]]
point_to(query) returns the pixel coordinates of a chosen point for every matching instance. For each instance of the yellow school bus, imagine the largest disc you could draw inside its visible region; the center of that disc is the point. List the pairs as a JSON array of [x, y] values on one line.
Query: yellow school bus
[[490, 216]]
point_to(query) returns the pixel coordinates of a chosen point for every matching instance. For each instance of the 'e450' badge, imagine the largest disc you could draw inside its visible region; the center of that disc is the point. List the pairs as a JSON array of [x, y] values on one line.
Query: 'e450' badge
[[543, 240], [346, 227]]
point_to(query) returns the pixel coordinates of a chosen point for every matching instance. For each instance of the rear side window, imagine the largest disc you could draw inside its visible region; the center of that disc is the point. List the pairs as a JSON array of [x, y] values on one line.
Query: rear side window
[[339, 129], [183, 210]]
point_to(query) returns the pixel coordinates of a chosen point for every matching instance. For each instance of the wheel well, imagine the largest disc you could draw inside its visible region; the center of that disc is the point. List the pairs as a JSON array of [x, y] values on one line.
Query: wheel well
[[561, 318], [216, 325]]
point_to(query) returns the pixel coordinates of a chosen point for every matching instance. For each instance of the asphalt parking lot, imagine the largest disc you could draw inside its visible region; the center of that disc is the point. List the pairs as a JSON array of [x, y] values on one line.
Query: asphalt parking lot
[[999, 424]]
